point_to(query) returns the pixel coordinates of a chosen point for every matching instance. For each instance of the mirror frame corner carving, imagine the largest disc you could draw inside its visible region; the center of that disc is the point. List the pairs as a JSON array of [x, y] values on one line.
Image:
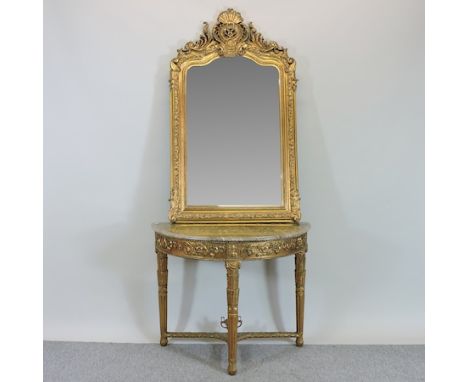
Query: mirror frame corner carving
[[230, 37]]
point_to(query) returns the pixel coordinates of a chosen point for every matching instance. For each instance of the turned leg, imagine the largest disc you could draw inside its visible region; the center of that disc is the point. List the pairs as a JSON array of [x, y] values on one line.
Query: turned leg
[[162, 283], [232, 267], [300, 278]]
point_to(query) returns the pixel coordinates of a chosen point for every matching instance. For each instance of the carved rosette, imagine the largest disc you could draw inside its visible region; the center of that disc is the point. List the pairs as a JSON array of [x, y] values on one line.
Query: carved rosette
[[229, 37]]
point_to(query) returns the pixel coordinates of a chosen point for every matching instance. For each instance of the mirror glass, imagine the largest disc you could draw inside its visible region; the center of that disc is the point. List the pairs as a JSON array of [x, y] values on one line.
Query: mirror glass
[[233, 134]]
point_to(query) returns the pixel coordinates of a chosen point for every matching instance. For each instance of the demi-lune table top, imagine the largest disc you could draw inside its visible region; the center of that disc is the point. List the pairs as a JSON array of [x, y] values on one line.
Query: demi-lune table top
[[225, 232], [223, 241]]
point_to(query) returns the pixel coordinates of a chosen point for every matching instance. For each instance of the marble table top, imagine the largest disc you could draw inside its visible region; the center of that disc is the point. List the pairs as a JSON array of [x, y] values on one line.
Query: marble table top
[[231, 232]]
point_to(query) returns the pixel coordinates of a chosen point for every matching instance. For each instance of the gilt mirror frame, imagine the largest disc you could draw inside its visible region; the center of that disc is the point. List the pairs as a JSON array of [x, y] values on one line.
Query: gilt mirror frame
[[230, 37]]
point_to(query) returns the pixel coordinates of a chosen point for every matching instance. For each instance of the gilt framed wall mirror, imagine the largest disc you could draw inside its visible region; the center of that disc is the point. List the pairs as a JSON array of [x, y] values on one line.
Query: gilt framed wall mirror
[[233, 128]]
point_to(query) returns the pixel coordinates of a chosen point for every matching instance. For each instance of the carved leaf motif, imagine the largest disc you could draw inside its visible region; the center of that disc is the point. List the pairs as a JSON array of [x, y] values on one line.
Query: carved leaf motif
[[230, 37], [211, 250]]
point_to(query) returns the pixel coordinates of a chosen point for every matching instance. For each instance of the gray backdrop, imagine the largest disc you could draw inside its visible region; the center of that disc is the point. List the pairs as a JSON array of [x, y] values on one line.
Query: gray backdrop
[[360, 66]]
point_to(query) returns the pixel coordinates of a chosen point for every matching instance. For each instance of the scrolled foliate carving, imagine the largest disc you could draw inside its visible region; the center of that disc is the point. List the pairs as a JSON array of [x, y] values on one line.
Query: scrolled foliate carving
[[212, 250], [190, 248], [229, 37], [230, 33]]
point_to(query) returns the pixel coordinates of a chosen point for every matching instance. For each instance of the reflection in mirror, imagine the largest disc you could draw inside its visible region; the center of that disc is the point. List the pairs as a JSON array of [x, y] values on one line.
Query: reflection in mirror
[[233, 134]]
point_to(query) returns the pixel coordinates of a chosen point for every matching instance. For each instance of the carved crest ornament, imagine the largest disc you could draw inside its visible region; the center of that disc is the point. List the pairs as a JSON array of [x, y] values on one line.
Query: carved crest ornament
[[243, 239], [230, 37]]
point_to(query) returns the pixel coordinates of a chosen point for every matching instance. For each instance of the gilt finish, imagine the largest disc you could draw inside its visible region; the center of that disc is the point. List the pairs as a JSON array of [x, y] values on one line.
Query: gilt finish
[[300, 283], [214, 242], [232, 268], [232, 233], [227, 38], [231, 244], [162, 284]]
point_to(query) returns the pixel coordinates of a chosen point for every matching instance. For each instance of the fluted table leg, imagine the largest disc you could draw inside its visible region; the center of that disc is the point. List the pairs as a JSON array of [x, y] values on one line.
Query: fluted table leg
[[162, 284], [300, 280], [232, 267]]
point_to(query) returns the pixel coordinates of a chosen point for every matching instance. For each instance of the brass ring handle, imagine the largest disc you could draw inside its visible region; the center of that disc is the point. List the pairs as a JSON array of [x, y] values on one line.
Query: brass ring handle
[[223, 322]]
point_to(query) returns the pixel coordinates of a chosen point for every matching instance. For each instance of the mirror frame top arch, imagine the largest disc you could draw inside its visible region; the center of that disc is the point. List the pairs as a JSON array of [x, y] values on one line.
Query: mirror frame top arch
[[230, 37]]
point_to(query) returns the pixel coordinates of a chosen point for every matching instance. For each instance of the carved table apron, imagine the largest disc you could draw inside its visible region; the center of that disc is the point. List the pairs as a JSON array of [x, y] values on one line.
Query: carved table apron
[[231, 244]]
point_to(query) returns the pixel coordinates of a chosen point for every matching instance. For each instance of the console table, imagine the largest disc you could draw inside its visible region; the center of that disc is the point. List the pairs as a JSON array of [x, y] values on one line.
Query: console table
[[231, 244]]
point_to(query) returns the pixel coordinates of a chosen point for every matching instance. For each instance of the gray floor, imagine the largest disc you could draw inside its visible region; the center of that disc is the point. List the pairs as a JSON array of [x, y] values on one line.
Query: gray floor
[[80, 361]]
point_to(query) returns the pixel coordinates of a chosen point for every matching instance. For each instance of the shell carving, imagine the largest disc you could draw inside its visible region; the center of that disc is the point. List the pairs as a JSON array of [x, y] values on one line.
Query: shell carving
[[231, 33], [230, 17], [230, 37]]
